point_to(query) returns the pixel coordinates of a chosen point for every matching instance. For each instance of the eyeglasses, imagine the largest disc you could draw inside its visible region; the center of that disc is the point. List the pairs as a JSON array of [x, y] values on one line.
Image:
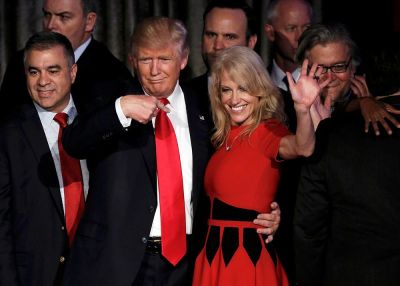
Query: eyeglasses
[[337, 68]]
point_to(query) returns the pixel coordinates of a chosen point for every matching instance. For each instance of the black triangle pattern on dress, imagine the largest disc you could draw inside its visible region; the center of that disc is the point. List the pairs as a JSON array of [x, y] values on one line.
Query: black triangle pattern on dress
[[230, 243], [252, 244], [212, 243]]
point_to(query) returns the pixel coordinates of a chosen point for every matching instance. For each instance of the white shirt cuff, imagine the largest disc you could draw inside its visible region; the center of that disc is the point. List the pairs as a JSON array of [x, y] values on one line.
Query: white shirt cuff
[[125, 121]]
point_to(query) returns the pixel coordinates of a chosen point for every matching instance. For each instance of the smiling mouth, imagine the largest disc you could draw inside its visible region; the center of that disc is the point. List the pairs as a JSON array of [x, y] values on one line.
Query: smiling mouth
[[238, 108], [45, 92]]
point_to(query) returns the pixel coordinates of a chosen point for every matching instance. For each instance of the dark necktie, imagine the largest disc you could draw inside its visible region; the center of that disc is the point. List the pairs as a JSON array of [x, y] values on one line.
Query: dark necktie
[[170, 185], [73, 185], [286, 82]]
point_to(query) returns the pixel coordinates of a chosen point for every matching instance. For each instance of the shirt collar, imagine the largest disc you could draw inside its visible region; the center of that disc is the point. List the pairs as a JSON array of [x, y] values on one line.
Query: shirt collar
[[46, 117], [79, 51], [277, 74]]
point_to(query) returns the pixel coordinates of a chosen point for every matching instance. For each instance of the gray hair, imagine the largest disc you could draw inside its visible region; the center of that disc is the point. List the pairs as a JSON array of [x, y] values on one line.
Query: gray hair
[[320, 34]]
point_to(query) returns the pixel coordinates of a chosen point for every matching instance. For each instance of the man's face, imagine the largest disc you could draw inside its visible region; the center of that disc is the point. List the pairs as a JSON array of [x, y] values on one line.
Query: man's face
[[329, 55], [158, 69], [49, 78], [224, 28], [292, 19], [66, 17]]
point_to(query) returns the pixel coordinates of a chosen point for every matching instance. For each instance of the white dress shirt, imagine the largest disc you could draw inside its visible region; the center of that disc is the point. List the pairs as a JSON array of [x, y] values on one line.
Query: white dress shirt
[[178, 117], [51, 128], [79, 51], [277, 75]]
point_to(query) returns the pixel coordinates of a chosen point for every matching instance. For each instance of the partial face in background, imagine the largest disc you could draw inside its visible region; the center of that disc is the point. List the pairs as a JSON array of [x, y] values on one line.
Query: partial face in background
[[237, 101], [49, 78], [292, 19], [67, 17], [158, 69], [329, 55], [224, 28]]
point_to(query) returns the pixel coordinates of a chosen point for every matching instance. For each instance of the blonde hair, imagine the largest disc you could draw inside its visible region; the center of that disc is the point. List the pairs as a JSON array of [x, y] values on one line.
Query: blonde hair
[[157, 32], [247, 69]]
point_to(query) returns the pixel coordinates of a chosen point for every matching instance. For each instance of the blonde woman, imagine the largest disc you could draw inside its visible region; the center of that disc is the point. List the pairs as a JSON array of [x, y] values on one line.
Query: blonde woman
[[242, 176]]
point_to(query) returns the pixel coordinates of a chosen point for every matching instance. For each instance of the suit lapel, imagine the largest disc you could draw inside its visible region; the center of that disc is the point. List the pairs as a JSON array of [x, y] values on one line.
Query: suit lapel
[[199, 127], [33, 131]]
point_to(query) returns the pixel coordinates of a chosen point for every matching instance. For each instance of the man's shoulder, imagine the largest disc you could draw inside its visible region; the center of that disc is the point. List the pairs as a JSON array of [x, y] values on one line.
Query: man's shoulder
[[98, 59]]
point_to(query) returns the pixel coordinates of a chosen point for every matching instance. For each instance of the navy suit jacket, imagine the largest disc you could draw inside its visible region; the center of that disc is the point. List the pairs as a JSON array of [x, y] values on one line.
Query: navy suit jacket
[[33, 239], [112, 236]]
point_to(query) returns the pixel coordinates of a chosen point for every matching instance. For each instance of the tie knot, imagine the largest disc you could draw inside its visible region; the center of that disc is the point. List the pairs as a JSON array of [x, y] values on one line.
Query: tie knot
[[62, 119], [164, 101]]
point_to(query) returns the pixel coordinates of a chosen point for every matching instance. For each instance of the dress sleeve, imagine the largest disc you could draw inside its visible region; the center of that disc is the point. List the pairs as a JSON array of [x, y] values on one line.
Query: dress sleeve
[[272, 132]]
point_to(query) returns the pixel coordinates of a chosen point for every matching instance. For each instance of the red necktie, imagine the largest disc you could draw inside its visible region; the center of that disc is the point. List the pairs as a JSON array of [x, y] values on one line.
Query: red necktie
[[170, 185], [73, 186]]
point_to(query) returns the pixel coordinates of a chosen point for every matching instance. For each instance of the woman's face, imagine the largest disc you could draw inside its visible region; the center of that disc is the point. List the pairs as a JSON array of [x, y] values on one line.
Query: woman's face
[[237, 100]]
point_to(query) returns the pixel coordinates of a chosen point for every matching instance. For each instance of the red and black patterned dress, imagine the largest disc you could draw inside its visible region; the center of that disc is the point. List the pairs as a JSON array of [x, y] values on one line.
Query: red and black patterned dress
[[241, 182]]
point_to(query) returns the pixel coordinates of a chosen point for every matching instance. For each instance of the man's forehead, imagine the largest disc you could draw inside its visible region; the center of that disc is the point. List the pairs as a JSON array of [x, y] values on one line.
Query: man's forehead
[[226, 16], [331, 52]]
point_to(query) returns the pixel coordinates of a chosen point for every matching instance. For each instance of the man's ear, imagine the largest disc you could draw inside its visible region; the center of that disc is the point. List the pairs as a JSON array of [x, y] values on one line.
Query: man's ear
[[133, 62], [269, 32], [73, 71], [90, 22], [252, 41]]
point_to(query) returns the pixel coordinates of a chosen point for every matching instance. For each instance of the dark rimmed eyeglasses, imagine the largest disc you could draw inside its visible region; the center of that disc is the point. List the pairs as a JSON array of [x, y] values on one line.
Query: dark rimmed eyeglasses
[[337, 68]]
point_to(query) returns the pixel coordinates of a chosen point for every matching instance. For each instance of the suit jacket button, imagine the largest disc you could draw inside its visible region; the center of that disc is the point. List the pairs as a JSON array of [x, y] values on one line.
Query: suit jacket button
[[144, 239], [62, 259], [62, 227]]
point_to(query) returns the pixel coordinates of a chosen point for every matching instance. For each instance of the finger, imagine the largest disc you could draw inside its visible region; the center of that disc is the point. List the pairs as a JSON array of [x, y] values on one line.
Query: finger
[[264, 222], [313, 70], [304, 68], [325, 82], [392, 119], [391, 109], [161, 106], [290, 80], [385, 125], [269, 239], [266, 231], [275, 206], [355, 88], [375, 127], [366, 125]]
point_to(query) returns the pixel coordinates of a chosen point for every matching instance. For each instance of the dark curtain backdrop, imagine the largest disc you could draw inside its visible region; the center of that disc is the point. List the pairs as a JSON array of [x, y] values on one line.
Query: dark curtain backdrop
[[116, 19]]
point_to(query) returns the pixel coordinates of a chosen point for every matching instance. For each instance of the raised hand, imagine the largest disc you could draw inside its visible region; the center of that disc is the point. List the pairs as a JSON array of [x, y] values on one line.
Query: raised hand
[[307, 88], [359, 86]]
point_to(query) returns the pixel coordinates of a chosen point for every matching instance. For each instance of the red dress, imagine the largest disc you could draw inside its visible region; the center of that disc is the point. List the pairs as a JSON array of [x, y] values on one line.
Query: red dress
[[241, 182]]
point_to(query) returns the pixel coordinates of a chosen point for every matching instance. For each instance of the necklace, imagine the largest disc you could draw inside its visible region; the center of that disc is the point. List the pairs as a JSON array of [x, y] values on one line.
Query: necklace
[[229, 147]]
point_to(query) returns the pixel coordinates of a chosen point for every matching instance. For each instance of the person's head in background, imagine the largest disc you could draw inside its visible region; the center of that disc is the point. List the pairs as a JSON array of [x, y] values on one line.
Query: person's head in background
[[286, 21], [159, 51], [241, 92], [75, 19], [50, 70], [227, 23], [332, 48]]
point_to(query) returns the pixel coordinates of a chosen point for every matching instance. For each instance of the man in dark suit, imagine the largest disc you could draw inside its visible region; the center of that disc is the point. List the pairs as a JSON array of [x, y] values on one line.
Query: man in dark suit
[[225, 24], [33, 231], [347, 211], [119, 239], [76, 20]]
